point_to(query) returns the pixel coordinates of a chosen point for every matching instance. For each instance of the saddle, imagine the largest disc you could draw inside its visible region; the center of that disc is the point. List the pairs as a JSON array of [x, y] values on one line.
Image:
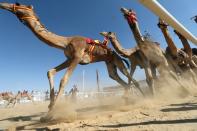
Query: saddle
[[94, 43]]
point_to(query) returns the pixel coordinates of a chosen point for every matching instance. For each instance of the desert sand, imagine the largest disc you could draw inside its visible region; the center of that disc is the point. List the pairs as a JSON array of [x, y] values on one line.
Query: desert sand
[[167, 111]]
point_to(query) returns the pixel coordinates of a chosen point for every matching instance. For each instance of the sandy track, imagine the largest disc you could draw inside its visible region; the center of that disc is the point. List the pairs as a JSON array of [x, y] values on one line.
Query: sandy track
[[172, 113]]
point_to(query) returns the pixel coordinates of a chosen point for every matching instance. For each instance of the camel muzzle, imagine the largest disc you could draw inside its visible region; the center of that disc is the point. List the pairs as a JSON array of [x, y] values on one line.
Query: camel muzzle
[[124, 10], [6, 6]]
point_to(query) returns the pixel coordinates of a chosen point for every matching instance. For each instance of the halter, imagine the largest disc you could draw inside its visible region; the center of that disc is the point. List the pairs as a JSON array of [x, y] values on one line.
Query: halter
[[131, 17], [15, 7], [19, 7]]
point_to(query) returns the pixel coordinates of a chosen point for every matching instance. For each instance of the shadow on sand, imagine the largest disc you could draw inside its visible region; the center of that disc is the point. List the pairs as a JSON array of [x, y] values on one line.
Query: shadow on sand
[[22, 118], [155, 122], [181, 107]]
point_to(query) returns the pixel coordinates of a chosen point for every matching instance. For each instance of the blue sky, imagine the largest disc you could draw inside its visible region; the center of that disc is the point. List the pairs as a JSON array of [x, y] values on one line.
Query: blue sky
[[25, 60]]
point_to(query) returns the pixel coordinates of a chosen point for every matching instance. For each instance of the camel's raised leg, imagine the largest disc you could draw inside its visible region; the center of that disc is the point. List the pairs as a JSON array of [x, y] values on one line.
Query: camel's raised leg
[[132, 70], [123, 69], [166, 72], [120, 65], [71, 66], [112, 70], [51, 73]]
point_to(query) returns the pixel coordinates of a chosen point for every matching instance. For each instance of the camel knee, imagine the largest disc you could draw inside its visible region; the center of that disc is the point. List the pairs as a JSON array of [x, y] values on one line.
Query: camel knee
[[149, 80], [126, 73], [51, 73], [62, 84], [112, 76]]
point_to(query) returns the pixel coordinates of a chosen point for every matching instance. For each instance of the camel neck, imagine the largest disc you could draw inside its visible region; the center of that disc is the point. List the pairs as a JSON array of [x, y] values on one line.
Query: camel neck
[[185, 44], [169, 41], [124, 52], [136, 32], [44, 35]]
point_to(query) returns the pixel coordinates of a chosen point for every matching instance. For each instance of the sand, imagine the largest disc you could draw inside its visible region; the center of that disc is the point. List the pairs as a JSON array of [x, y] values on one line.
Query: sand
[[164, 113]]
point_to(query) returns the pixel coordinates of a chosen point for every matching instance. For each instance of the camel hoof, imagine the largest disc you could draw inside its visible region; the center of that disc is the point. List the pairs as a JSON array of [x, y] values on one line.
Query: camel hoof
[[50, 106], [45, 119], [42, 119]]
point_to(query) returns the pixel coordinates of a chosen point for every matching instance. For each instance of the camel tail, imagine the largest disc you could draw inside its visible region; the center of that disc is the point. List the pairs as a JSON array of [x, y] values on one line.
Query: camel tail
[[126, 62]]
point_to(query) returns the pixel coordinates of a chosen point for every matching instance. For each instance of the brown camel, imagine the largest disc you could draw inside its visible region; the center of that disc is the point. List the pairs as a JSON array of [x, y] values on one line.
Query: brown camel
[[134, 55], [151, 50], [192, 58], [181, 58], [194, 55], [76, 49]]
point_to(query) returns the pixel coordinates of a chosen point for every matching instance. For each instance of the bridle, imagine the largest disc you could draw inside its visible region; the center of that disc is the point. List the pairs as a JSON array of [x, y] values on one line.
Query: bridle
[[15, 7]]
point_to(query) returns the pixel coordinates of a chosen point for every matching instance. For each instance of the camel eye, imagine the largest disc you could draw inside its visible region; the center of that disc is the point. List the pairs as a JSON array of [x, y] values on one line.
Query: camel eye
[[30, 6]]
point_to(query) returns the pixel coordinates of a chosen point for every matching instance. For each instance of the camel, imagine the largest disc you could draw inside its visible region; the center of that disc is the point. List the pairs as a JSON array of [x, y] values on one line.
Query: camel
[[191, 52], [73, 93], [7, 96], [182, 58], [194, 55], [21, 95], [134, 55], [76, 49], [151, 50]]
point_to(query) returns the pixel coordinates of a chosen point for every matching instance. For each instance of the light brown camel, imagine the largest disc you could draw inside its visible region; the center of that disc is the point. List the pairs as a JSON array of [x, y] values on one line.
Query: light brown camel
[[135, 57], [20, 95], [76, 49], [73, 93], [151, 50], [192, 60], [181, 58], [7, 96]]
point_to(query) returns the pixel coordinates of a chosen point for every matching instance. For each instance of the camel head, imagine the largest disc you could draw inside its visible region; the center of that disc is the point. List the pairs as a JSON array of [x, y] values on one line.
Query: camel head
[[162, 24], [21, 11], [129, 15], [110, 35]]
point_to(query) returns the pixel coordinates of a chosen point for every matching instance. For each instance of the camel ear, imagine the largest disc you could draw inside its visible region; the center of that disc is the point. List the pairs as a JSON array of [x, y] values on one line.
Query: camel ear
[[31, 7], [18, 4]]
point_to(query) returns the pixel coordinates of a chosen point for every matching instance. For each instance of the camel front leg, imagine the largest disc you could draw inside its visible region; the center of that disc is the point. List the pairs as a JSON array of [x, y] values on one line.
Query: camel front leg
[[137, 85], [154, 71], [51, 73], [149, 78], [112, 71], [123, 69], [66, 77]]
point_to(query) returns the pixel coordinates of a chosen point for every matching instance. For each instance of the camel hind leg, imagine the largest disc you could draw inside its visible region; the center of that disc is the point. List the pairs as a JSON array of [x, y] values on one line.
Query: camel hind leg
[[165, 71], [112, 71], [122, 69]]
